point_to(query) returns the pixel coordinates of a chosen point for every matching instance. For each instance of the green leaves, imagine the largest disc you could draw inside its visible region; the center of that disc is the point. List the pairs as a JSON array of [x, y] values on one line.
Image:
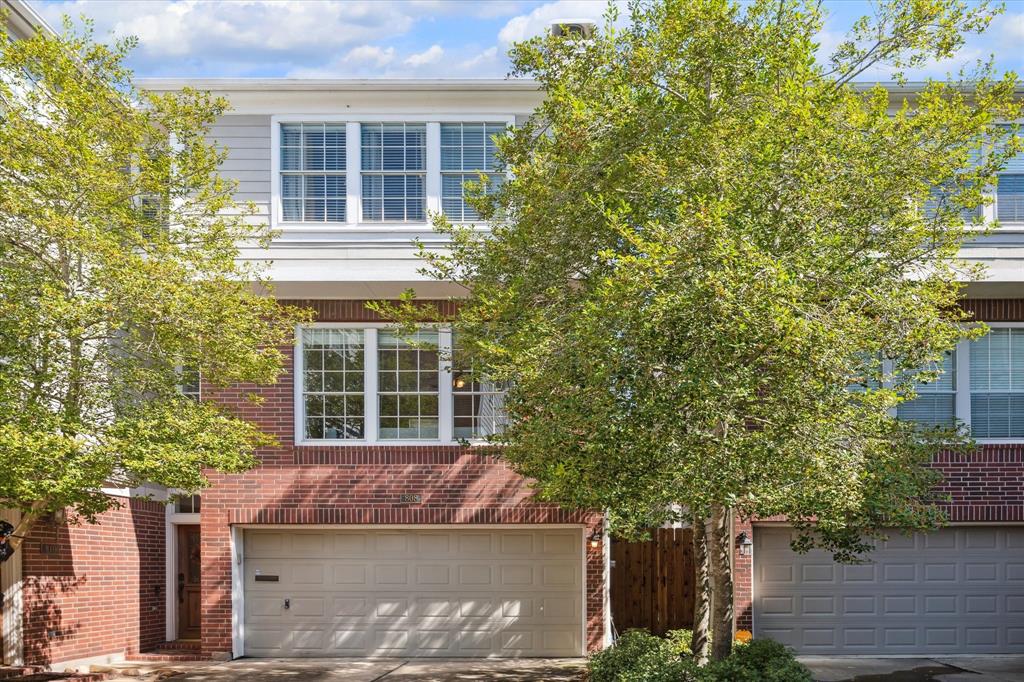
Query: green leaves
[[118, 248], [707, 232]]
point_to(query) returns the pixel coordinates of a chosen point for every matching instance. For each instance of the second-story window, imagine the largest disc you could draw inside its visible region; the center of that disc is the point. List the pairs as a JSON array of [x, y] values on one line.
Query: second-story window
[[935, 404], [1010, 192], [997, 384], [313, 172], [478, 409], [394, 167], [467, 151]]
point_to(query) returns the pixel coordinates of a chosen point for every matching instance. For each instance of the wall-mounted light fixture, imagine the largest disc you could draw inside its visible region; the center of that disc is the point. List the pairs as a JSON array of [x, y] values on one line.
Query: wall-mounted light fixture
[[595, 539], [745, 544]]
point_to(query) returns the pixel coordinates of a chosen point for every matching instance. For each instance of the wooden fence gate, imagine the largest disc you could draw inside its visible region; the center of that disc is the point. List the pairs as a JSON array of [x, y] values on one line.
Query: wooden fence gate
[[652, 582]]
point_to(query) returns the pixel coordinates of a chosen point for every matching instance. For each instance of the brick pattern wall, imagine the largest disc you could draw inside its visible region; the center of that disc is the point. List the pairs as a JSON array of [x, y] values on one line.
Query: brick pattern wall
[[96, 589], [984, 486], [326, 484]]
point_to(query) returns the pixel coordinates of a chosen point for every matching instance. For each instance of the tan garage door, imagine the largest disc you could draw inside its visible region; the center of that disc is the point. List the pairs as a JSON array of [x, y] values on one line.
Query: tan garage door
[[479, 592]]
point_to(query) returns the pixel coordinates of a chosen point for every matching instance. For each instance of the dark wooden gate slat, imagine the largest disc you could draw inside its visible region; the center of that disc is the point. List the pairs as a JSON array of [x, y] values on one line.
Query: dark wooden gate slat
[[652, 582]]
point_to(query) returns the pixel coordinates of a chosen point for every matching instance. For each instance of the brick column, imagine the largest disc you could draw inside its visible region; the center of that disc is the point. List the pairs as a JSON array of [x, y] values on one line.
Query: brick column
[[742, 577]]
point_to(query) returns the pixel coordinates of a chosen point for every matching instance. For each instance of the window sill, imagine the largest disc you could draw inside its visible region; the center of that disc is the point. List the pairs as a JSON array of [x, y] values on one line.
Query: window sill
[[999, 441], [367, 226], [386, 443]]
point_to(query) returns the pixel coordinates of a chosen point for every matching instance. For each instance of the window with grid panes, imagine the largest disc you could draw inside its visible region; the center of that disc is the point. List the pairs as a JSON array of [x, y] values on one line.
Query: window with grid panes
[[478, 405], [332, 396], [313, 183], [935, 404], [467, 151], [1010, 190], [997, 384], [190, 386], [408, 383], [394, 165]]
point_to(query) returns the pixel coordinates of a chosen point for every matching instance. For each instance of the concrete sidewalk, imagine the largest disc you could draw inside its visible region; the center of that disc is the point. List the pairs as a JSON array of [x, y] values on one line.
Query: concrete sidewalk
[[936, 669]]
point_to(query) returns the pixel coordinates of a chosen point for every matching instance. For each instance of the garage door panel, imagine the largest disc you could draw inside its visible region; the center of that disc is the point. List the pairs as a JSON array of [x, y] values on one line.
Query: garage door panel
[[952, 592], [473, 593]]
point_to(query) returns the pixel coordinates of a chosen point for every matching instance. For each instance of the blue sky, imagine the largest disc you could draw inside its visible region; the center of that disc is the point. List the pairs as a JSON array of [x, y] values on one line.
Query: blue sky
[[395, 38]]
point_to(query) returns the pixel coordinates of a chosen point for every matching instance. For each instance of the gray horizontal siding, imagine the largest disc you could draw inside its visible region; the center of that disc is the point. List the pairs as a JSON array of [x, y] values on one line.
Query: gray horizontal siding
[[247, 140]]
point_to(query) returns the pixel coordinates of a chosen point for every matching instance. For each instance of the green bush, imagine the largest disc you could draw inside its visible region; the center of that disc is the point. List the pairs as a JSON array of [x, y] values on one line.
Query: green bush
[[639, 656], [761, 660], [682, 640]]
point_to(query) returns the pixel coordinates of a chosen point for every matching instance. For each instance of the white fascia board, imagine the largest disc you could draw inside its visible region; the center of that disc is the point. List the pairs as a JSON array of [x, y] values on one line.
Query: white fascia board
[[342, 84], [23, 20]]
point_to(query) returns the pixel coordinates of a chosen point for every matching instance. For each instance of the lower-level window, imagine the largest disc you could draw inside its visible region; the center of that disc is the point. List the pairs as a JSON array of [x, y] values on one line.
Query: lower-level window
[[408, 383]]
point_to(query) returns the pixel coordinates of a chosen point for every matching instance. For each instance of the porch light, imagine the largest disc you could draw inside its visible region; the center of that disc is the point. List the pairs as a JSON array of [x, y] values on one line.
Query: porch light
[[745, 544], [595, 539]]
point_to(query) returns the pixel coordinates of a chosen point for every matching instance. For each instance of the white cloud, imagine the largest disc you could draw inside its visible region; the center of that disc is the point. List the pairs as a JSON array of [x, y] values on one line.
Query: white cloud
[[540, 19], [431, 55], [487, 57], [370, 54], [188, 35]]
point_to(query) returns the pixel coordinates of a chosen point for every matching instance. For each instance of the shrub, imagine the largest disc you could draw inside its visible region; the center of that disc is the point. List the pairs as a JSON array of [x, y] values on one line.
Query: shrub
[[761, 660], [639, 656]]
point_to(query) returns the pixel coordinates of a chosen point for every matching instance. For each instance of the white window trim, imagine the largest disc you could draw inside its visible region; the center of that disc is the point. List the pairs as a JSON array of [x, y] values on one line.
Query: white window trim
[[353, 165], [370, 398], [963, 384]]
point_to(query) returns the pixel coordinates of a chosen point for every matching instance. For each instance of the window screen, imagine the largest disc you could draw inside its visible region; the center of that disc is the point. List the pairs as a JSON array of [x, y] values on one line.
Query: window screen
[[935, 404], [313, 183], [394, 163], [997, 384], [467, 151], [333, 366]]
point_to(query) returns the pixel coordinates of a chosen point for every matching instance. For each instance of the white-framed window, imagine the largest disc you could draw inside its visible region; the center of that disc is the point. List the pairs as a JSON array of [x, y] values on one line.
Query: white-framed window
[[333, 384], [312, 176], [935, 404], [468, 150], [394, 172], [997, 384], [191, 384], [408, 386], [364, 383], [378, 172], [478, 402]]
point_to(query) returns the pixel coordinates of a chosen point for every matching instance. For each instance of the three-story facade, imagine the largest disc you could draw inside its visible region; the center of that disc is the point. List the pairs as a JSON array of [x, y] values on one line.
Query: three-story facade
[[372, 529]]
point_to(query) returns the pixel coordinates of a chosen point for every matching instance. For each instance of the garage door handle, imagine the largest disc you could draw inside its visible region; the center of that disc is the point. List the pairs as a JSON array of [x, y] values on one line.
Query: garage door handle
[[287, 603]]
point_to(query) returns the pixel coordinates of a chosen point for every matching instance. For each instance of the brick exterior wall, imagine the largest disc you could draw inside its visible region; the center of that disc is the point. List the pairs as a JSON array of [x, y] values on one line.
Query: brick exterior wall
[[326, 484], [91, 590], [984, 486]]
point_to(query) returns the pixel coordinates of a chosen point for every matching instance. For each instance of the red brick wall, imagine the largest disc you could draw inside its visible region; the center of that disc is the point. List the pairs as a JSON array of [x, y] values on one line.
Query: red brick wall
[[984, 486], [96, 589], [326, 484]]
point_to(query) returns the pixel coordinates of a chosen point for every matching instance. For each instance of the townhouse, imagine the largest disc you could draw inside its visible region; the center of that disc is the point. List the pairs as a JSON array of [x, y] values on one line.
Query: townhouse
[[370, 530]]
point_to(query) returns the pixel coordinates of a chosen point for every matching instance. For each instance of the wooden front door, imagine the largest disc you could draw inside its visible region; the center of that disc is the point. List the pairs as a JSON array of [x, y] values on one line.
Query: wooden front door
[[189, 574]]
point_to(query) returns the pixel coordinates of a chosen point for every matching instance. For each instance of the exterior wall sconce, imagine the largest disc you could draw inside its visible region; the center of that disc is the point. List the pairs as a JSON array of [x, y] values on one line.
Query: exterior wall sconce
[[745, 544], [595, 539]]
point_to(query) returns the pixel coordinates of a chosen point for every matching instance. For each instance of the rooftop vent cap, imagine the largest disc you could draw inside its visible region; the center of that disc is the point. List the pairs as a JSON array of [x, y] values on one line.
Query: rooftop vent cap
[[573, 28]]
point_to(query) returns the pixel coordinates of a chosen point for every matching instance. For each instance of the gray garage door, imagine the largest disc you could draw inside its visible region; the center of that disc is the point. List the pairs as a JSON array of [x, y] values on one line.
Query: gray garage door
[[469, 592], [959, 590]]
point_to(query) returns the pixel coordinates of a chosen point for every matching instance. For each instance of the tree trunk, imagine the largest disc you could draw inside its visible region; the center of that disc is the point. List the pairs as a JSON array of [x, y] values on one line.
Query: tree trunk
[[28, 519], [702, 592], [719, 550]]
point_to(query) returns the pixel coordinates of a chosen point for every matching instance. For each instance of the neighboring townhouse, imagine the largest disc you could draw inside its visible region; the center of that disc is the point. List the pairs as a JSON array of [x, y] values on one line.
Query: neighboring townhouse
[[370, 530]]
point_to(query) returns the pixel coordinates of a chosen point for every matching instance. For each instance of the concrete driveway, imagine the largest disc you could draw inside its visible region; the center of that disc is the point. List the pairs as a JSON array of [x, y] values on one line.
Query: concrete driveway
[[387, 670], [938, 669]]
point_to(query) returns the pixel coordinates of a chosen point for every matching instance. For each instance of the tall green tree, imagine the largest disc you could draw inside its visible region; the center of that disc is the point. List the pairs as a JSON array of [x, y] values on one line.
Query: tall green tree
[[709, 236], [118, 246]]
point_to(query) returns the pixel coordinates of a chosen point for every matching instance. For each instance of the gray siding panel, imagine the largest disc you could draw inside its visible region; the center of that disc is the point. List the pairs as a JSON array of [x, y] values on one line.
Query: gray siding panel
[[247, 140]]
